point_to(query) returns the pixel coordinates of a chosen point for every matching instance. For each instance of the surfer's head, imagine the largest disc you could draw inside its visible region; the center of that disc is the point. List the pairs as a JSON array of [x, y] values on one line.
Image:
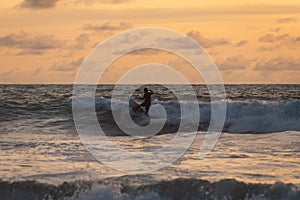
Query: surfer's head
[[145, 89]]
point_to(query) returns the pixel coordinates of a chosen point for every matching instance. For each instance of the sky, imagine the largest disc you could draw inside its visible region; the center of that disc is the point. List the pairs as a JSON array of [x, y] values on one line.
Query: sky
[[251, 41]]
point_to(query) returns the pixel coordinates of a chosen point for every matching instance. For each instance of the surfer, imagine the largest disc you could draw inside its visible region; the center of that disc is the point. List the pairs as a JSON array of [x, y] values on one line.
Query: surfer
[[147, 100]]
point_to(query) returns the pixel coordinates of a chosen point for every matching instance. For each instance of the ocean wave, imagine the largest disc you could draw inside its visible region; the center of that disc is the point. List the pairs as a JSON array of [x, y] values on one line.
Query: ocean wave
[[173, 189], [241, 117], [55, 115]]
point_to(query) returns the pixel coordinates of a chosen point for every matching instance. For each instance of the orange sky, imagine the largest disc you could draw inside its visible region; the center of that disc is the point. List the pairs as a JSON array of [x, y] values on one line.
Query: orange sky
[[250, 41]]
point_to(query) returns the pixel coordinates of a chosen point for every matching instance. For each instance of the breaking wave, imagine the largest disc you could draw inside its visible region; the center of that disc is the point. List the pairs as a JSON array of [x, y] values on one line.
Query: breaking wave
[[241, 117], [174, 189]]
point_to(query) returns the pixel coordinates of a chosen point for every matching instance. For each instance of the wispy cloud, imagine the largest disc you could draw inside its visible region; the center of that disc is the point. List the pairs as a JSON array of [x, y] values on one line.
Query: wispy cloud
[[81, 41], [278, 64], [30, 52], [283, 40], [234, 63], [46, 4], [269, 48], [287, 20], [277, 29], [39, 4], [90, 2], [108, 26], [144, 52], [8, 73], [241, 43], [270, 38], [24, 40], [207, 42], [71, 66], [37, 71]]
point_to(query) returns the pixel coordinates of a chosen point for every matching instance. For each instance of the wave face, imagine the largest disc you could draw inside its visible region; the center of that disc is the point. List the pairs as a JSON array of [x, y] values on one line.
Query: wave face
[[241, 117], [174, 189], [250, 108], [257, 117]]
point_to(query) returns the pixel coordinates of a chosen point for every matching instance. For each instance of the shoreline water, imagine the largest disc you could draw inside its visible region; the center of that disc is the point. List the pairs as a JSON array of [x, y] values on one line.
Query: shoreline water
[[175, 189], [251, 158]]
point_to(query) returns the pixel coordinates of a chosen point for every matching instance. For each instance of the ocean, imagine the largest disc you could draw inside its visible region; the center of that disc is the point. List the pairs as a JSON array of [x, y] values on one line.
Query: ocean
[[256, 157]]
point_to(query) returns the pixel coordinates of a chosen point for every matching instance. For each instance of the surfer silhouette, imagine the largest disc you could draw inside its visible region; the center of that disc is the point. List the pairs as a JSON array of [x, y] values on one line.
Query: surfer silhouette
[[147, 100]]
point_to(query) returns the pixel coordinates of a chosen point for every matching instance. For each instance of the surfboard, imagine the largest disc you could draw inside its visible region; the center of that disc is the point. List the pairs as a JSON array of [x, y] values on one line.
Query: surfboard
[[137, 109]]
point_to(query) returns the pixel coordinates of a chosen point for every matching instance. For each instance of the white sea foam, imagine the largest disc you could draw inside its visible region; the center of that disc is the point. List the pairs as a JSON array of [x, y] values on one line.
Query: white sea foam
[[242, 117], [174, 189]]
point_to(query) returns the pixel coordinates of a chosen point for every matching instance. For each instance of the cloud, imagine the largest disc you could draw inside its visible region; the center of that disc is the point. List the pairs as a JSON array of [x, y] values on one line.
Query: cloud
[[30, 52], [67, 66], [90, 2], [24, 40], [287, 20], [46, 4], [241, 43], [207, 42], [149, 52], [278, 64], [37, 71], [177, 43], [234, 63], [275, 29], [81, 41], [39, 4], [284, 38], [269, 48], [107, 27], [268, 38], [8, 73], [134, 43]]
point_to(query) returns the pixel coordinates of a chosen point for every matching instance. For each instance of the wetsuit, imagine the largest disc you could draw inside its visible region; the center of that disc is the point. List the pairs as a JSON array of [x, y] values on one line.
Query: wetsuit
[[147, 100]]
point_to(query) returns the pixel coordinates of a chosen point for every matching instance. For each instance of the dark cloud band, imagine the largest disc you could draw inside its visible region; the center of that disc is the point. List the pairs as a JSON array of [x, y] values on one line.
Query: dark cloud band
[[39, 4]]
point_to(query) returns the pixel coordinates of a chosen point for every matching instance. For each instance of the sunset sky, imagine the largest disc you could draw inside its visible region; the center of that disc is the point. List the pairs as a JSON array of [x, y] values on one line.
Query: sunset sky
[[45, 41]]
